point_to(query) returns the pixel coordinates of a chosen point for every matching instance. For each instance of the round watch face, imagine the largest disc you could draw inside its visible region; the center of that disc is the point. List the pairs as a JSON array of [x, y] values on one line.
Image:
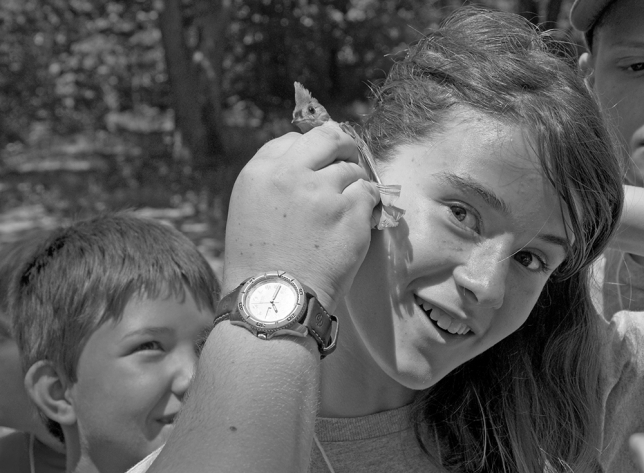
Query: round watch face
[[272, 300]]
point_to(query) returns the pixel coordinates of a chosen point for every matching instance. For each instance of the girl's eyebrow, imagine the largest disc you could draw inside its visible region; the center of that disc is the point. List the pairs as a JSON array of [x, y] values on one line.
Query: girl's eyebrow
[[467, 184]]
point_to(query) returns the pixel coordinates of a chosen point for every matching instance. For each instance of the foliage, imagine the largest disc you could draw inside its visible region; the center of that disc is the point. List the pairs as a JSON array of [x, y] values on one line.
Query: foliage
[[90, 118]]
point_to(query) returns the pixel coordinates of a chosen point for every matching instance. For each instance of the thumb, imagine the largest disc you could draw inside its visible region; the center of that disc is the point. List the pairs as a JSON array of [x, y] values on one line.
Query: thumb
[[365, 194]]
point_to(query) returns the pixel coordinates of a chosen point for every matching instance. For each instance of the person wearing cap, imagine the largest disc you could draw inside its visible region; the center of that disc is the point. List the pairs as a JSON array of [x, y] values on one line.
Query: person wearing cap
[[614, 67]]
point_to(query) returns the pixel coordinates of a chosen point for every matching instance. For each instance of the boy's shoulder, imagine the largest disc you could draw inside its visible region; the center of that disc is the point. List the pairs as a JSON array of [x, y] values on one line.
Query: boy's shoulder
[[14, 452], [15, 455], [146, 463]]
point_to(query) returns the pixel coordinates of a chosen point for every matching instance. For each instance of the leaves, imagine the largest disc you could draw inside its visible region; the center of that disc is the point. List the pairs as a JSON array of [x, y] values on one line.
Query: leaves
[[96, 72]]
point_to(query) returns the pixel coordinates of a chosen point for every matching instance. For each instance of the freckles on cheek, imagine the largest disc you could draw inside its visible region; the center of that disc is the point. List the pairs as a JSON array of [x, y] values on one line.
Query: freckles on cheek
[[521, 298]]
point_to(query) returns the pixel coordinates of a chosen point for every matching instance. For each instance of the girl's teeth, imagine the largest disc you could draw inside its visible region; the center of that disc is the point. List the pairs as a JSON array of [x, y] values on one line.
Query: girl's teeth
[[445, 322]]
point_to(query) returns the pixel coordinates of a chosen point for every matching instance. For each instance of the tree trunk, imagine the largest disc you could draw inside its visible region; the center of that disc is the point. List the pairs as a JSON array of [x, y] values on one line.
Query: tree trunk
[[183, 82], [212, 21], [529, 9], [552, 14]]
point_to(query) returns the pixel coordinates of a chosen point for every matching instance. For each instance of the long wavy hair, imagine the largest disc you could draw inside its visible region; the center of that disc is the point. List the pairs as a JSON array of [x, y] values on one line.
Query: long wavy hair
[[529, 403]]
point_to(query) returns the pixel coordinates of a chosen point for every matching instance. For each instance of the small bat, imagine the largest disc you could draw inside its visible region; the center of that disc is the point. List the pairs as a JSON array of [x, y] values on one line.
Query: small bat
[[309, 113]]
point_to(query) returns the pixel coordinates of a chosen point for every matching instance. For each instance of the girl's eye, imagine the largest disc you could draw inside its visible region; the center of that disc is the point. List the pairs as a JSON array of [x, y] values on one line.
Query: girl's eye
[[466, 217], [148, 346], [531, 261], [637, 67]]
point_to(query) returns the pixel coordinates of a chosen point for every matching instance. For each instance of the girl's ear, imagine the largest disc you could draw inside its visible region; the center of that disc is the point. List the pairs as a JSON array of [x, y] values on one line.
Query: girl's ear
[[587, 68], [47, 388]]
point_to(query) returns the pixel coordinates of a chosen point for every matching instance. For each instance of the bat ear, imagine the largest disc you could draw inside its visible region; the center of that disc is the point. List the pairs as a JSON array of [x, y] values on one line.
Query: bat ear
[[302, 95]]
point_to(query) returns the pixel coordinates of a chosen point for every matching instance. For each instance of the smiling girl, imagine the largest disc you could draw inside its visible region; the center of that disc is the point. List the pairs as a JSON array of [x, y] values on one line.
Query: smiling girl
[[467, 339]]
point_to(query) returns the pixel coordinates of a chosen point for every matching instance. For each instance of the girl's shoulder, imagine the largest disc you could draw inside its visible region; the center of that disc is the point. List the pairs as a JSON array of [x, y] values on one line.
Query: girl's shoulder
[[622, 347], [625, 336], [622, 388]]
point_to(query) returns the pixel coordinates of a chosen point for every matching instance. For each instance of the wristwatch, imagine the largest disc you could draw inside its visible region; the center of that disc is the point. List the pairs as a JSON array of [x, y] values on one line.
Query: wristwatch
[[273, 304]]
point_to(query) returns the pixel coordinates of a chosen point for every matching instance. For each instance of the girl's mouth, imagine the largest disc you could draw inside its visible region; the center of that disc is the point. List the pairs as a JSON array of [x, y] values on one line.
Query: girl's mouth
[[443, 321]]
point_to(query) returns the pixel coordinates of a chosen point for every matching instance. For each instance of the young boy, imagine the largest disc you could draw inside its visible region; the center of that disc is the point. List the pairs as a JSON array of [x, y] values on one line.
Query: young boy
[[614, 67], [108, 316], [31, 447]]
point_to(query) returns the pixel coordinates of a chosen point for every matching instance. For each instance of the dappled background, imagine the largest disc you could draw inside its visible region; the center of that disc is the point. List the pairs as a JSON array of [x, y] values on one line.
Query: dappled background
[[156, 105]]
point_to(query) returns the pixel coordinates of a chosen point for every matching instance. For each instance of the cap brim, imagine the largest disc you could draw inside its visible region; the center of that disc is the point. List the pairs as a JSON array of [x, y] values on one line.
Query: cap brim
[[584, 13]]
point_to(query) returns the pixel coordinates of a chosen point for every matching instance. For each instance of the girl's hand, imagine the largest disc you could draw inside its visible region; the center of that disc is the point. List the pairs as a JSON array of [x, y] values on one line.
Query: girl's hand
[[303, 205]]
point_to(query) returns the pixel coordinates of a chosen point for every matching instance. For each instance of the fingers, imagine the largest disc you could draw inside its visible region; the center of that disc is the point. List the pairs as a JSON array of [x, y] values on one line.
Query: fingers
[[375, 216], [342, 174], [364, 193], [322, 146], [277, 146]]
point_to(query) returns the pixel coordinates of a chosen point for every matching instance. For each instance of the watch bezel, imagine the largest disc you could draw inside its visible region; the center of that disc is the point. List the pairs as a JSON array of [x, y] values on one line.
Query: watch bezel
[[292, 318]]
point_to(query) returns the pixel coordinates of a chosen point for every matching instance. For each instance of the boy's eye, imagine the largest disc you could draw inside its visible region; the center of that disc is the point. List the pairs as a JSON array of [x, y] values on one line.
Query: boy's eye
[[465, 217], [637, 67], [147, 346], [531, 261]]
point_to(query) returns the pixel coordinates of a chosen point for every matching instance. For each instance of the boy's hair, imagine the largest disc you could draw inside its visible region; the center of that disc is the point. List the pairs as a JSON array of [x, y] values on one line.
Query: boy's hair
[[12, 256], [589, 15], [85, 274]]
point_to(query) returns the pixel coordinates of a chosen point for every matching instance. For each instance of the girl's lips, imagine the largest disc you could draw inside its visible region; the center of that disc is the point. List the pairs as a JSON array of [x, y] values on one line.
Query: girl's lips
[[443, 320]]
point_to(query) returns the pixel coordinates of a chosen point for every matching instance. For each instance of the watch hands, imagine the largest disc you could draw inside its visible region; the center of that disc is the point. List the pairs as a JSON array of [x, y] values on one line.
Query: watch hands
[[275, 295], [273, 300]]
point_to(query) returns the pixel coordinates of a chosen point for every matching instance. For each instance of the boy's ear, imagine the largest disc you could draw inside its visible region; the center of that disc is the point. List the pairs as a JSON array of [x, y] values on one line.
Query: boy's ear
[[47, 388], [587, 68]]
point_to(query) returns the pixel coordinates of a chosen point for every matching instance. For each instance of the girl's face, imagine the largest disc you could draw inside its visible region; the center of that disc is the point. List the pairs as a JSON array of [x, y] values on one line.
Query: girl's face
[[482, 233]]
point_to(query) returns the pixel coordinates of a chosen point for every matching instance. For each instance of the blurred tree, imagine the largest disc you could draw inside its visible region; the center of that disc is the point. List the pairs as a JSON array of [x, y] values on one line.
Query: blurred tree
[[210, 76], [530, 10], [182, 78], [194, 35]]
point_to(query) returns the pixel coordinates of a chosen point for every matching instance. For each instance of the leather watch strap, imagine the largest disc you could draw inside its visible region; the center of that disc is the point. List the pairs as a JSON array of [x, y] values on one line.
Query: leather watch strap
[[226, 305], [322, 326]]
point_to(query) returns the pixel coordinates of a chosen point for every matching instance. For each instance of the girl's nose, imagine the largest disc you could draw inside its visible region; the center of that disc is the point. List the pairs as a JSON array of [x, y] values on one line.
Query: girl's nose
[[484, 278]]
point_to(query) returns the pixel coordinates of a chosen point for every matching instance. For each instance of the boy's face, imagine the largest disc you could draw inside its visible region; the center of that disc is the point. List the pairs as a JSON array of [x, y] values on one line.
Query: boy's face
[[132, 377], [617, 61], [16, 410]]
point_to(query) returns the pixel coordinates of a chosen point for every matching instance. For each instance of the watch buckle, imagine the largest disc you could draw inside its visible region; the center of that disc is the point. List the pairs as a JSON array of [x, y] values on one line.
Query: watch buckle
[[334, 338]]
